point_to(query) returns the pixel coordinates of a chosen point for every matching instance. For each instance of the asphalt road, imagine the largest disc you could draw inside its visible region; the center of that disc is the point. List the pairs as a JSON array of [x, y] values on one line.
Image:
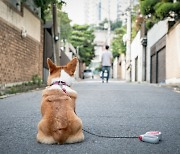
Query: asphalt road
[[113, 109]]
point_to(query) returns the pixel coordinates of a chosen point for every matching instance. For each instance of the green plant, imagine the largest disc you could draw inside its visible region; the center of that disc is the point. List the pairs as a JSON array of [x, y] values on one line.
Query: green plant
[[36, 79], [118, 45], [156, 10], [162, 10], [147, 6], [149, 24], [26, 86], [46, 6], [12, 90]]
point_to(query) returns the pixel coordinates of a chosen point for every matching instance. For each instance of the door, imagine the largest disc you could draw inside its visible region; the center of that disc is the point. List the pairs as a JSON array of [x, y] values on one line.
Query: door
[[153, 69], [158, 62], [161, 66]]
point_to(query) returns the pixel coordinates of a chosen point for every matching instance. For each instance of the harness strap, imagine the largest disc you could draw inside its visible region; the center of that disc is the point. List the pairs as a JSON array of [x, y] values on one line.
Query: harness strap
[[60, 83]]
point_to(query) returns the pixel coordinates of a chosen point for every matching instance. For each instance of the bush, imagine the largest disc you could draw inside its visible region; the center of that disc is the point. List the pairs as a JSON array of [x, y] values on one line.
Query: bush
[[147, 6], [36, 80], [149, 24], [162, 10], [156, 10]]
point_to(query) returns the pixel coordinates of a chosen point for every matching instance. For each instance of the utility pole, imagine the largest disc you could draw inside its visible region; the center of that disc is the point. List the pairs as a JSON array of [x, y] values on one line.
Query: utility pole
[[128, 44], [56, 39], [109, 25]]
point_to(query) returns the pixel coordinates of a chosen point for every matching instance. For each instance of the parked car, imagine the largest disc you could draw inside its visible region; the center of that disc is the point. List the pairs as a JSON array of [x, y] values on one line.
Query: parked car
[[88, 73]]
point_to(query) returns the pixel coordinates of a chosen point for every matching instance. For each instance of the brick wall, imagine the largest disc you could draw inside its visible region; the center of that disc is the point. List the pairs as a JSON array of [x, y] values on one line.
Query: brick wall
[[20, 58]]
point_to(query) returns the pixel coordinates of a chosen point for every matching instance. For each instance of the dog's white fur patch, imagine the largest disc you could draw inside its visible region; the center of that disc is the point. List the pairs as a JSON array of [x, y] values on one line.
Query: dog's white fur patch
[[65, 77]]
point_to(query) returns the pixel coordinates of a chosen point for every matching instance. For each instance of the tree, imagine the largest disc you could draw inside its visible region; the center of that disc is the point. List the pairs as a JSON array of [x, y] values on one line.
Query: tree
[[114, 25], [82, 38], [63, 19], [136, 21], [168, 9], [65, 27], [118, 45], [45, 6], [156, 10]]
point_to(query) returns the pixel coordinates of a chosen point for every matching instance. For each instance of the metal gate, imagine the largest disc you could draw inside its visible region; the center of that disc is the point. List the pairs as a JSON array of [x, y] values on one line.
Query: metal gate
[[158, 63], [153, 69], [161, 65]]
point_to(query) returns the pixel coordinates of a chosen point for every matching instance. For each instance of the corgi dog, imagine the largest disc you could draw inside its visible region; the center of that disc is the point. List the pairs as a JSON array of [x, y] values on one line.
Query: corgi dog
[[59, 123]]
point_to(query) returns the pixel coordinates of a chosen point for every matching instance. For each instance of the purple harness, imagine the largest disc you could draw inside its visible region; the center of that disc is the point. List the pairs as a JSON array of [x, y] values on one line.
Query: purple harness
[[60, 83]]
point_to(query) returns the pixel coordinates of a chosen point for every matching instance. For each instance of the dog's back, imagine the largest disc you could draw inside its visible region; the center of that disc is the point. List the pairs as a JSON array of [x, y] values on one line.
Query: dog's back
[[59, 122]]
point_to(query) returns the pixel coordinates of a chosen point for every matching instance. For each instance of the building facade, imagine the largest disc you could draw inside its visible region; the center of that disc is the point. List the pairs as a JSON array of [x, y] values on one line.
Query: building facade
[[98, 10], [136, 59], [161, 62], [21, 43], [173, 54], [156, 52]]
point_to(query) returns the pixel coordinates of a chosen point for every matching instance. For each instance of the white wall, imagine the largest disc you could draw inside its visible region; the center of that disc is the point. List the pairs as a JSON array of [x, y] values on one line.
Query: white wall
[[123, 66], [115, 68], [136, 51], [154, 34], [173, 55], [100, 41], [69, 50]]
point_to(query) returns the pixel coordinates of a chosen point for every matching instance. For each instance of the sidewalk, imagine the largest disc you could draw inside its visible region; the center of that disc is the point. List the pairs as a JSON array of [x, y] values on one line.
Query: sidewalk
[[175, 87]]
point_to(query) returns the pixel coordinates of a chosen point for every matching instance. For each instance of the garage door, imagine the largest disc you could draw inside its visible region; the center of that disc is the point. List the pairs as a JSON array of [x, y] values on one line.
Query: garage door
[[153, 69], [158, 63], [161, 66]]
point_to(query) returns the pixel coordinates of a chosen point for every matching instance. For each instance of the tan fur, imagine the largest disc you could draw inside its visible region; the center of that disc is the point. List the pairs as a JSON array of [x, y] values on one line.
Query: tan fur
[[59, 122]]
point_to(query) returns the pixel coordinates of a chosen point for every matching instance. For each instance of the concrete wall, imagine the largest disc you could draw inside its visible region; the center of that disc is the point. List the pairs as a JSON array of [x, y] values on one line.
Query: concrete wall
[[119, 67], [70, 51], [173, 55], [122, 63], [21, 58], [115, 68], [154, 34], [136, 51]]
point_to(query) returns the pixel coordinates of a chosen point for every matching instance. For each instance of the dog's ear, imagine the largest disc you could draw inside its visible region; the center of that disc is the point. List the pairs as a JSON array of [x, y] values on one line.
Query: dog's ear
[[71, 66], [51, 65]]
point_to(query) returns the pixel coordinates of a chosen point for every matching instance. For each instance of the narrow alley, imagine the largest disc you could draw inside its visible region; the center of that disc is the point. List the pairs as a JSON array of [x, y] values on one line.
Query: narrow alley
[[110, 109]]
